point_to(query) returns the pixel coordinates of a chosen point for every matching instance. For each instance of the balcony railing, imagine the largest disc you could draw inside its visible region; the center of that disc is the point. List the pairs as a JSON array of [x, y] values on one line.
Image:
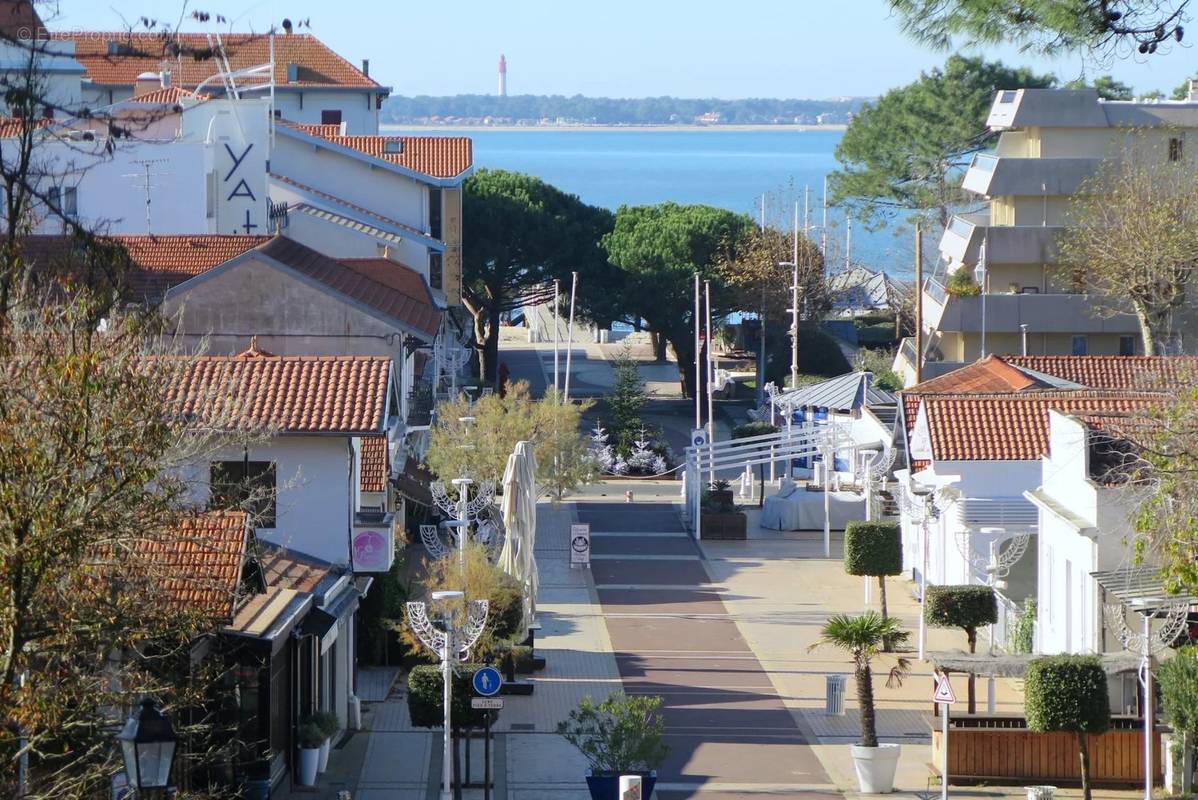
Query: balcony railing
[[1042, 313]]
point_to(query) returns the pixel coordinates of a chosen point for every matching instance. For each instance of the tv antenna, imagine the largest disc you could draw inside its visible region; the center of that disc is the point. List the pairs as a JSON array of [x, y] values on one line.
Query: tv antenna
[[146, 178]]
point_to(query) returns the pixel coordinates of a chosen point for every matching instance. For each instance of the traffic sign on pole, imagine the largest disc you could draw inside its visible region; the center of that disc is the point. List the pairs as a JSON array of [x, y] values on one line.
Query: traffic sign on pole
[[944, 690], [487, 682]]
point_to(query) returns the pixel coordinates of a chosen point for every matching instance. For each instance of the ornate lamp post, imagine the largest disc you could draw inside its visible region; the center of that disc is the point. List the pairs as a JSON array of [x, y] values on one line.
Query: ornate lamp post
[[451, 641], [148, 748]]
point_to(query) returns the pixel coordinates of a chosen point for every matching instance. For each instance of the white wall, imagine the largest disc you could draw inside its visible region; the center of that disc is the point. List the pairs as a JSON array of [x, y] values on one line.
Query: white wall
[[337, 241], [357, 108]]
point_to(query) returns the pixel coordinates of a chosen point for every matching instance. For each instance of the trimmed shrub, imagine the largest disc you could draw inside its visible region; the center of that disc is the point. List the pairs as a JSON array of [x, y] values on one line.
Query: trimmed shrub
[[1178, 679], [966, 607], [962, 284], [754, 428], [424, 697], [1068, 693], [873, 548]]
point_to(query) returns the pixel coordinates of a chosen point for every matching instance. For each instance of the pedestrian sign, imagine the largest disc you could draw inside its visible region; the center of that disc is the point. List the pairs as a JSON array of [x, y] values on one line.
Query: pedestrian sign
[[487, 682], [944, 690]]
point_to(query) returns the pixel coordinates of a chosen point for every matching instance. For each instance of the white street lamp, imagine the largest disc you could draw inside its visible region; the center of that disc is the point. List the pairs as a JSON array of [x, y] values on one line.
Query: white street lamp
[[451, 642], [979, 273]]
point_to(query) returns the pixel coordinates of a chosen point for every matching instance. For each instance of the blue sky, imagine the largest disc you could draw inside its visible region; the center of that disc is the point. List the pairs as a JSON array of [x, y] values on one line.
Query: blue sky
[[620, 48]]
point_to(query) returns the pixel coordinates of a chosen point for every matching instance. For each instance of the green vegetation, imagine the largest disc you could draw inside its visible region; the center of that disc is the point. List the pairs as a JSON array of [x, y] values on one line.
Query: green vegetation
[[879, 363], [962, 284], [626, 401], [755, 428], [965, 607], [1107, 87], [908, 150], [659, 249], [1025, 627], [819, 354], [863, 637], [622, 734], [613, 111], [1044, 26], [425, 693], [1068, 693], [309, 736], [874, 549], [523, 233], [1178, 680]]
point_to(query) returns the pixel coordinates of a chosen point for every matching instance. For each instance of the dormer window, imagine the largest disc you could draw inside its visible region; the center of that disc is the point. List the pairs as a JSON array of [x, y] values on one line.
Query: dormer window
[[393, 147], [1007, 96]]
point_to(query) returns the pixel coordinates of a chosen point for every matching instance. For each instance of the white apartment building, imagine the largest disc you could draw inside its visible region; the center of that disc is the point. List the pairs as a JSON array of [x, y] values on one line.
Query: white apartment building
[[1050, 141]]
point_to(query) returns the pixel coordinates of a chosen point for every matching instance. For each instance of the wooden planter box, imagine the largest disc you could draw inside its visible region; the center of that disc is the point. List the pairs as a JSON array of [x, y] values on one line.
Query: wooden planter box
[[1015, 755], [723, 526]]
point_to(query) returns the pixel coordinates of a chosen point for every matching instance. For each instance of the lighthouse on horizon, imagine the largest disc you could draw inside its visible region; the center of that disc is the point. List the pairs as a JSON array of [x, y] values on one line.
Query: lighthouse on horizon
[[502, 76]]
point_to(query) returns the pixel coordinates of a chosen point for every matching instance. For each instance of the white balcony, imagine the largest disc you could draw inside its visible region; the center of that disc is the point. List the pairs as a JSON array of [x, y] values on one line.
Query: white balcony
[[1002, 176], [1042, 313]]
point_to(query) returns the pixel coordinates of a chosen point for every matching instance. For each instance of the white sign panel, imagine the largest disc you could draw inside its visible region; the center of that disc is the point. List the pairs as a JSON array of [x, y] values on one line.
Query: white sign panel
[[580, 543], [698, 437], [630, 787], [486, 703], [944, 691]]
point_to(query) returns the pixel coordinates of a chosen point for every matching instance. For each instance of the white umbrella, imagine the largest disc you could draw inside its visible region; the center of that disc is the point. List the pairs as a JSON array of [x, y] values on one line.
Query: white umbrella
[[520, 518]]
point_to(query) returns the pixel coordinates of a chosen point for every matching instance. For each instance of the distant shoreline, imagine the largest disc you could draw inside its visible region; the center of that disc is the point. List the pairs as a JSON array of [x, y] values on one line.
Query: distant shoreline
[[792, 128]]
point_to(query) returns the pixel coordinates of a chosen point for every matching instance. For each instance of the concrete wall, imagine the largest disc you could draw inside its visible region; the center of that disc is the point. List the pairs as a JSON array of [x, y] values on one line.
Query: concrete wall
[[356, 107]]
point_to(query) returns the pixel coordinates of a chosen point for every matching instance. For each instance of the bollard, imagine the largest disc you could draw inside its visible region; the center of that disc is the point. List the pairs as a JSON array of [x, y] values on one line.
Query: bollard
[[628, 496]]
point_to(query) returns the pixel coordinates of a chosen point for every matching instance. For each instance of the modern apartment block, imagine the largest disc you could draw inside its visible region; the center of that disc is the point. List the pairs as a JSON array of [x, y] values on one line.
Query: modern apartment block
[[1050, 142]]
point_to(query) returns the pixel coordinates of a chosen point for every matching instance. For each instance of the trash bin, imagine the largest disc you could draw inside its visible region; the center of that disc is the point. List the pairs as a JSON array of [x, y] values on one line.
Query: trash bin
[[1040, 792], [834, 702]]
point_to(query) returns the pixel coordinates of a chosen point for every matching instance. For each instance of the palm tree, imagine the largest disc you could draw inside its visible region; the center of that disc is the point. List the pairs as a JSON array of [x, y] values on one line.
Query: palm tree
[[863, 637]]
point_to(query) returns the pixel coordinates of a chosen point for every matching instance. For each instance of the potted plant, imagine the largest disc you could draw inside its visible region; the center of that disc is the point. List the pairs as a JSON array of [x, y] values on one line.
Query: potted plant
[[620, 736], [720, 517], [309, 737], [862, 638], [329, 725], [721, 492]]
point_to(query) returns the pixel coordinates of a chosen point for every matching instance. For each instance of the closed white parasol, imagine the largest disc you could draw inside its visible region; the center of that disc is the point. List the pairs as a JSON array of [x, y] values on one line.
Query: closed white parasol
[[520, 517]]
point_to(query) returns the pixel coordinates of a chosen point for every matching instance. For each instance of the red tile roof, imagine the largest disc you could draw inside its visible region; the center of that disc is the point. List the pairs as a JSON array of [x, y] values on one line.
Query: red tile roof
[[293, 394], [438, 156], [982, 427], [169, 94], [316, 64], [374, 469], [11, 127], [1115, 372], [385, 286], [197, 566], [287, 569], [162, 261]]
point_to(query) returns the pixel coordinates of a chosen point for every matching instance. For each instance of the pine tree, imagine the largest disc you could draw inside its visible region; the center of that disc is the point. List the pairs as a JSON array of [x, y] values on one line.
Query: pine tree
[[626, 401]]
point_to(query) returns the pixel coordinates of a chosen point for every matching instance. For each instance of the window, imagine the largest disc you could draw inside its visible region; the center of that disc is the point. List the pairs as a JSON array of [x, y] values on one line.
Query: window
[[1127, 345], [249, 485], [70, 202], [434, 213], [1006, 96], [435, 277], [330, 116], [392, 147], [1080, 345], [1175, 148]]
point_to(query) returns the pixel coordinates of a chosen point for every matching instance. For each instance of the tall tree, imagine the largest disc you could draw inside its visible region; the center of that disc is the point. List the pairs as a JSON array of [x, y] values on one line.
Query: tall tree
[[660, 248], [1133, 235], [1046, 26], [522, 233], [907, 150]]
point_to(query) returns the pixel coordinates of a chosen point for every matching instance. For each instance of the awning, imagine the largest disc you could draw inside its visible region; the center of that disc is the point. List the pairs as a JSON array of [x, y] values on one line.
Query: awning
[[413, 482], [1141, 588], [322, 625]]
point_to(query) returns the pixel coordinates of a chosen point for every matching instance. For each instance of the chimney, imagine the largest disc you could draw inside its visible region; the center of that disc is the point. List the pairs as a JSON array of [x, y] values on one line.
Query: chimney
[[164, 78], [366, 67], [147, 82]]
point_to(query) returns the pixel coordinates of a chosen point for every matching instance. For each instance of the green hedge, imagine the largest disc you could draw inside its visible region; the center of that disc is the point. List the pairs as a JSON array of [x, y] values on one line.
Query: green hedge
[[753, 429], [1178, 679], [1066, 693], [873, 548], [424, 697], [960, 606]]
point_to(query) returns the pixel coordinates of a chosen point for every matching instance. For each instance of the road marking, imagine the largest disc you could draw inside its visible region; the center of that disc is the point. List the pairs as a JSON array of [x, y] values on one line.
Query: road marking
[[641, 557], [642, 534], [661, 587]]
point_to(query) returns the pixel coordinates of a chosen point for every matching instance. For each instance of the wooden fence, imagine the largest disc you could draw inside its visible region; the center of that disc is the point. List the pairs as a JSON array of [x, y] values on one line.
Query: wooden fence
[[1004, 751]]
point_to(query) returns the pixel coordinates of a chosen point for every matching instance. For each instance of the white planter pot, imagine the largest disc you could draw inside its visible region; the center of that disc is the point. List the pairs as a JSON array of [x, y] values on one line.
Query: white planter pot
[[323, 763], [875, 767], [309, 760]]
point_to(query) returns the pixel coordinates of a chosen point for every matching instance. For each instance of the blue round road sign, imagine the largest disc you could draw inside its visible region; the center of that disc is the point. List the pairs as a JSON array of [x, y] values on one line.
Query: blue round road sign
[[487, 682]]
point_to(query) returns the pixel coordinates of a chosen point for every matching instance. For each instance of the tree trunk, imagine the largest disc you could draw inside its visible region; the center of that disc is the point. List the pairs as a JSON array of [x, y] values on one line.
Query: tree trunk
[[1147, 334], [972, 633], [488, 354], [659, 345], [887, 644], [865, 702], [1083, 751]]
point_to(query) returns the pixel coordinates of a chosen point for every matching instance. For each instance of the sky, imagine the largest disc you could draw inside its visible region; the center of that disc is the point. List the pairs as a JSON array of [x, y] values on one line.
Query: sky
[[619, 48]]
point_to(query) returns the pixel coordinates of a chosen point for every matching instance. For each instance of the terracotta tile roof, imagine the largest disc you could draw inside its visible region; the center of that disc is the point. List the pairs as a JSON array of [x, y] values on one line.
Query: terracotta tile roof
[[169, 94], [1115, 372], [438, 156], [982, 427], [295, 394], [199, 563], [287, 569], [374, 469], [316, 64], [990, 374], [11, 127], [385, 286], [162, 261]]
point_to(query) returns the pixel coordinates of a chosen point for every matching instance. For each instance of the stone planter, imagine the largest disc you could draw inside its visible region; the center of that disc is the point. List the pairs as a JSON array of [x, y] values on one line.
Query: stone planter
[[731, 525], [875, 767]]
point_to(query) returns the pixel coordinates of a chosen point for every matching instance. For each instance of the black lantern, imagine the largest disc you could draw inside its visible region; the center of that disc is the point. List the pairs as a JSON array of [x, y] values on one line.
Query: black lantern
[[148, 747]]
